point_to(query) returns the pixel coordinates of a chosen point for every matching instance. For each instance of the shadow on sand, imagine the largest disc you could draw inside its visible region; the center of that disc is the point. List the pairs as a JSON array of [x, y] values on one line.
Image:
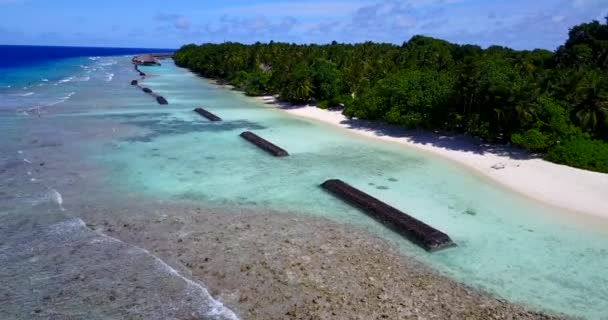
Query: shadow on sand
[[448, 141], [457, 142]]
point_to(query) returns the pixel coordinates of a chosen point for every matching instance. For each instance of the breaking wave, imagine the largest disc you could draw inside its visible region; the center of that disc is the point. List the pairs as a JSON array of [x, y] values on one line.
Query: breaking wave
[[65, 80], [61, 100], [57, 198], [73, 79], [110, 63], [92, 263]]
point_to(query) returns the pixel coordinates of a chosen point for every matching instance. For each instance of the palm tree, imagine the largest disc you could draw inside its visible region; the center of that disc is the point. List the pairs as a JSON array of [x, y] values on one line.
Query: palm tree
[[591, 98]]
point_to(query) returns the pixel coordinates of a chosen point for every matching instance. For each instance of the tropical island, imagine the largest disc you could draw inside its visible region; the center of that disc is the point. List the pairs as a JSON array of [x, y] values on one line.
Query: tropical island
[[428, 180], [551, 103]]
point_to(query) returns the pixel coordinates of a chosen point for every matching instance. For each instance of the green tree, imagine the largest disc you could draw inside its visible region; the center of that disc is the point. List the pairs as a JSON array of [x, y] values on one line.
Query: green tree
[[327, 80], [551, 102], [591, 101], [297, 86], [409, 98]]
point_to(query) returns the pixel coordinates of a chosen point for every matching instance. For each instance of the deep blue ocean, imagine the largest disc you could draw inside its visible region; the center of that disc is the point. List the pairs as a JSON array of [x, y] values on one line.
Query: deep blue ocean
[[23, 66], [30, 76], [23, 56]]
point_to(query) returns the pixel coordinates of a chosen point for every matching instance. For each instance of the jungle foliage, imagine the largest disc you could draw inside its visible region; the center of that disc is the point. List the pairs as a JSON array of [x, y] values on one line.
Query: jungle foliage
[[554, 103]]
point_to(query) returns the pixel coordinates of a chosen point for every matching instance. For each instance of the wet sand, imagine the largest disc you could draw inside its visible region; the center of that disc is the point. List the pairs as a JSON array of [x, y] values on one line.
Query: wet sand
[[278, 266]]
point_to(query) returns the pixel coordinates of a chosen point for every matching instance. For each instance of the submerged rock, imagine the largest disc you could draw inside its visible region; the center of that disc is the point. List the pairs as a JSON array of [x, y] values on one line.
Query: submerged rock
[[470, 212], [277, 266]]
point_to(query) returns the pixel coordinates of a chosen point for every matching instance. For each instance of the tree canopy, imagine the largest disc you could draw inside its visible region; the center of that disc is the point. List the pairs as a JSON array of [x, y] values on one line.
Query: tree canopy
[[555, 103]]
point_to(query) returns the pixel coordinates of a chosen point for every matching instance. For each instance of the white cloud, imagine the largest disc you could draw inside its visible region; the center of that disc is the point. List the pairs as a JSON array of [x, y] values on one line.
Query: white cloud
[[181, 23], [517, 23], [176, 20], [298, 8]]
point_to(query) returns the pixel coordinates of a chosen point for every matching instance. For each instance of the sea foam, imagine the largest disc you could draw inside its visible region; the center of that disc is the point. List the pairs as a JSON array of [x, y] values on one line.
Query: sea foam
[[208, 307], [65, 80], [61, 100], [110, 63], [57, 198]]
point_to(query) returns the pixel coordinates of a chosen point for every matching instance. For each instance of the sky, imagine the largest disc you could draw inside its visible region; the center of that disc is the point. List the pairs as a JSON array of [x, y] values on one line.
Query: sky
[[520, 24]]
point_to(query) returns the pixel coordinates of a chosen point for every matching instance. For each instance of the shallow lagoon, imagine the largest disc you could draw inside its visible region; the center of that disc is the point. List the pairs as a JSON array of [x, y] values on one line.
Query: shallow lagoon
[[507, 244]]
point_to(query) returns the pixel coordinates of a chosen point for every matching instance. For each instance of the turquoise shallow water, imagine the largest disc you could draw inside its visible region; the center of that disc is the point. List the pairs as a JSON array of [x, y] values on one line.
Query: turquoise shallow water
[[507, 244]]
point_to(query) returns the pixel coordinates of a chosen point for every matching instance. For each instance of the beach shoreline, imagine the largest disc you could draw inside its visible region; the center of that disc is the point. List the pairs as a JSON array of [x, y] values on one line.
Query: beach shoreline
[[567, 188], [260, 260]]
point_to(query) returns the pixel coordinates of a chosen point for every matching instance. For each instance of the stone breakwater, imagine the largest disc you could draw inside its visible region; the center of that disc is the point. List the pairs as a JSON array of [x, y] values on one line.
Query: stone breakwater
[[149, 59], [160, 99]]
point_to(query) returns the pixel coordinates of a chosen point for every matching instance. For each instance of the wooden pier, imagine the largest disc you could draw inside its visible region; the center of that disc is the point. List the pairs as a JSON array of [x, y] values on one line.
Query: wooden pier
[[264, 144], [164, 55], [210, 116], [145, 60], [415, 230], [149, 60]]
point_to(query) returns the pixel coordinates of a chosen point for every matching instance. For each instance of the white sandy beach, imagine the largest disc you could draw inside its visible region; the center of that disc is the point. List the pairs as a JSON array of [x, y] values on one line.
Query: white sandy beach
[[556, 185]]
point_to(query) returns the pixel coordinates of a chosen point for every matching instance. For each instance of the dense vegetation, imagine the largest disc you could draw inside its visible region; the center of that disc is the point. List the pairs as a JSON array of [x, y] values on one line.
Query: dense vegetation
[[554, 103]]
